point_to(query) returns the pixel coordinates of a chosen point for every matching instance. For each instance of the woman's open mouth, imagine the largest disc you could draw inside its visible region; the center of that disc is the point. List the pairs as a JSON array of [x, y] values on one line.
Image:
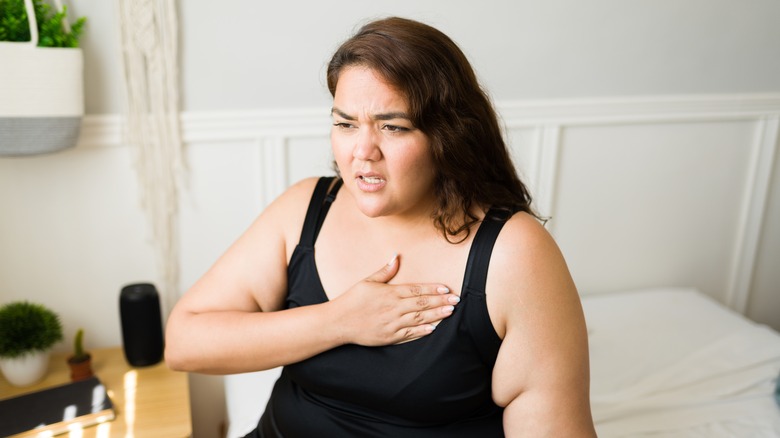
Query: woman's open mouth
[[370, 183]]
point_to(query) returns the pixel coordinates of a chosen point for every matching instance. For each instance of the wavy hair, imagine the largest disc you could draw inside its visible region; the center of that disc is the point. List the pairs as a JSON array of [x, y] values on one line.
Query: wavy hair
[[447, 103]]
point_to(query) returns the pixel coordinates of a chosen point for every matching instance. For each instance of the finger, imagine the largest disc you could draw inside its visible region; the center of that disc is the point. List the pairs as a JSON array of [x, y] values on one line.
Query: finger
[[425, 309], [416, 303], [426, 317], [425, 302], [411, 333], [418, 290], [387, 272]]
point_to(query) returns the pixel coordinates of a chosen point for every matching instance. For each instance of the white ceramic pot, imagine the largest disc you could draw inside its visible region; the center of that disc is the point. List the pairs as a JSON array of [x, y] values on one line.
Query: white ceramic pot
[[26, 369]]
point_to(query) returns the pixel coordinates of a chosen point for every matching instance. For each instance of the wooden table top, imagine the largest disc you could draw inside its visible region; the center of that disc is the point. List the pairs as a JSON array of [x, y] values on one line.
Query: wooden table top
[[149, 401]]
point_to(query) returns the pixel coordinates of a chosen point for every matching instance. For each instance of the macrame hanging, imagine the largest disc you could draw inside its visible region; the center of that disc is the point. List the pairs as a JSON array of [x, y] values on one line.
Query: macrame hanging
[[149, 40]]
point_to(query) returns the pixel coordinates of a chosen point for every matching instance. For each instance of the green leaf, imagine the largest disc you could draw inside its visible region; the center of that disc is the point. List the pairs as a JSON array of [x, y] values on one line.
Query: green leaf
[[14, 25]]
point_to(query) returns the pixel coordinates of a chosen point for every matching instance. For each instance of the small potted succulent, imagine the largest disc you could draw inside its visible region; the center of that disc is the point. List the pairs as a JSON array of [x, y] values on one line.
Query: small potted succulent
[[28, 331], [80, 362]]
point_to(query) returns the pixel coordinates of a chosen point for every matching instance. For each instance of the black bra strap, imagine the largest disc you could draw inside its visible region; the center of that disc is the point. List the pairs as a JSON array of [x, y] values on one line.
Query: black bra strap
[[481, 250], [320, 202]]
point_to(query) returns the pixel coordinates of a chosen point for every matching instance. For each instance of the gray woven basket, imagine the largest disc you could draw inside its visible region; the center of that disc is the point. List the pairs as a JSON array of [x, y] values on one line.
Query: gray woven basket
[[37, 135]]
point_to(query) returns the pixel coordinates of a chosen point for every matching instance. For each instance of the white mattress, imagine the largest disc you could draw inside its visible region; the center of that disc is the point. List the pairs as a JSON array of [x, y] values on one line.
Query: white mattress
[[674, 363], [664, 363]]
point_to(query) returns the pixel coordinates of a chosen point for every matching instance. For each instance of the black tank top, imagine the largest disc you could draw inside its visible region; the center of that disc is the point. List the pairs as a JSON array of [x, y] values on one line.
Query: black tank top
[[435, 386]]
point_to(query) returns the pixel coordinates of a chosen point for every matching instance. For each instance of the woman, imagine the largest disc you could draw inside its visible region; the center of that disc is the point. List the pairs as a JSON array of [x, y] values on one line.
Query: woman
[[473, 328]]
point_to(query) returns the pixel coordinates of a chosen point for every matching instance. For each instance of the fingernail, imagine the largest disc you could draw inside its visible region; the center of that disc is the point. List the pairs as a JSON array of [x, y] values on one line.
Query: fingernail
[[443, 290], [454, 299], [431, 327], [392, 260], [448, 309]]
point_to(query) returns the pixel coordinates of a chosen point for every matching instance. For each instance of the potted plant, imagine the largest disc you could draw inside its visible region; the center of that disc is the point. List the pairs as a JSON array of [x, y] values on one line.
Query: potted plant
[[42, 80], [27, 333], [80, 362]]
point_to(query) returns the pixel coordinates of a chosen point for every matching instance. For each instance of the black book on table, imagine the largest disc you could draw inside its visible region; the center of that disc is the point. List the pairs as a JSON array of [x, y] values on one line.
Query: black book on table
[[54, 410]]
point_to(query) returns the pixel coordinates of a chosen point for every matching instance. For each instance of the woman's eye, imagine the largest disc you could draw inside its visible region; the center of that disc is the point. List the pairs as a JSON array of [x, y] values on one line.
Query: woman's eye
[[394, 128]]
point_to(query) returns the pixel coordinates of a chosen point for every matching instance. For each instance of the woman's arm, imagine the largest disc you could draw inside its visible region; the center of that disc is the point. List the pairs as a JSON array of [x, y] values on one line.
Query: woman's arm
[[232, 321], [542, 375]]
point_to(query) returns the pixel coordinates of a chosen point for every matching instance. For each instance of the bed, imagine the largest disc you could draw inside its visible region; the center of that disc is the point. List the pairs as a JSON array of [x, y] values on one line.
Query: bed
[[673, 362], [665, 362]]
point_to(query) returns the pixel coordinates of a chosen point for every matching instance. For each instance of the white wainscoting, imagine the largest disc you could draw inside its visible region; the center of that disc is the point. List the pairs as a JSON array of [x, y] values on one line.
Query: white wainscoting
[[705, 235], [641, 191]]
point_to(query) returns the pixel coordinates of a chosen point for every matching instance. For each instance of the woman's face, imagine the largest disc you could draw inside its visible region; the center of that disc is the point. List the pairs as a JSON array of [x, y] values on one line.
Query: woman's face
[[385, 161]]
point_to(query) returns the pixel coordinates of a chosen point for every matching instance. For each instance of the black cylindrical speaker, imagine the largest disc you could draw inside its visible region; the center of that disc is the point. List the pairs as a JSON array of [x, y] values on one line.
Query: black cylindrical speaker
[[142, 333]]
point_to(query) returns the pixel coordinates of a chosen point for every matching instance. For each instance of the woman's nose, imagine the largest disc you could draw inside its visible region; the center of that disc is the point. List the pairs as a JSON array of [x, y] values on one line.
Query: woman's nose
[[367, 146]]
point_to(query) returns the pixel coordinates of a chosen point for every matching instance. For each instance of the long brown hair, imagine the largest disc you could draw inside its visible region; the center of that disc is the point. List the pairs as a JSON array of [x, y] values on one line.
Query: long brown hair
[[446, 102]]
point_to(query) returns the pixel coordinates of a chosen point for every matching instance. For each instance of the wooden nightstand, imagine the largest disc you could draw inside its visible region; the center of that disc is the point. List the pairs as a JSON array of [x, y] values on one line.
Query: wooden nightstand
[[149, 402]]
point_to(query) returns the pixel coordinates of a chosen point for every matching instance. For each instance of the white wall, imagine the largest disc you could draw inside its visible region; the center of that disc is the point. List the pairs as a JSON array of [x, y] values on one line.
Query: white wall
[[248, 55], [72, 232]]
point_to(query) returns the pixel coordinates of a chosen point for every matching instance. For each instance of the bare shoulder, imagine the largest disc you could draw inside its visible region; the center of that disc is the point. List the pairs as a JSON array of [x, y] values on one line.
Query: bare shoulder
[[281, 220], [523, 235], [287, 212], [526, 266], [293, 201]]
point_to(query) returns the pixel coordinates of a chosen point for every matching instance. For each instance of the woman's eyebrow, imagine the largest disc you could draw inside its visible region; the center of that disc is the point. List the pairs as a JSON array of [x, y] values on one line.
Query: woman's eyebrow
[[383, 116], [391, 116], [341, 114]]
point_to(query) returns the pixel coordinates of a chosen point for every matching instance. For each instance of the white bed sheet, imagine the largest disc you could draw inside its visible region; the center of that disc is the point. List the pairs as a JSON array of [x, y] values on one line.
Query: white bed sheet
[[664, 363], [673, 362], [246, 396]]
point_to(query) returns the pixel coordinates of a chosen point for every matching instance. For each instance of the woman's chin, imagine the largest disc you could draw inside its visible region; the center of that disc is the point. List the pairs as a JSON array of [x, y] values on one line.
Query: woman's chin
[[371, 211]]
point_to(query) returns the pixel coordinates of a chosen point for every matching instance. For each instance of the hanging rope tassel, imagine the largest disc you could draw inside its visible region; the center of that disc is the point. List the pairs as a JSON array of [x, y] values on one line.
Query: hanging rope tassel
[[149, 40]]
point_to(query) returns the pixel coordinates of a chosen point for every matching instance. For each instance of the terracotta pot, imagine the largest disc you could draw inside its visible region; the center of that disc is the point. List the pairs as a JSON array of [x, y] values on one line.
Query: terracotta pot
[[81, 369]]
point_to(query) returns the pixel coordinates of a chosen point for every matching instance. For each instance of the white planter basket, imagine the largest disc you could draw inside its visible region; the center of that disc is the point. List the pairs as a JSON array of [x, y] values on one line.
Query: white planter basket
[[41, 95]]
